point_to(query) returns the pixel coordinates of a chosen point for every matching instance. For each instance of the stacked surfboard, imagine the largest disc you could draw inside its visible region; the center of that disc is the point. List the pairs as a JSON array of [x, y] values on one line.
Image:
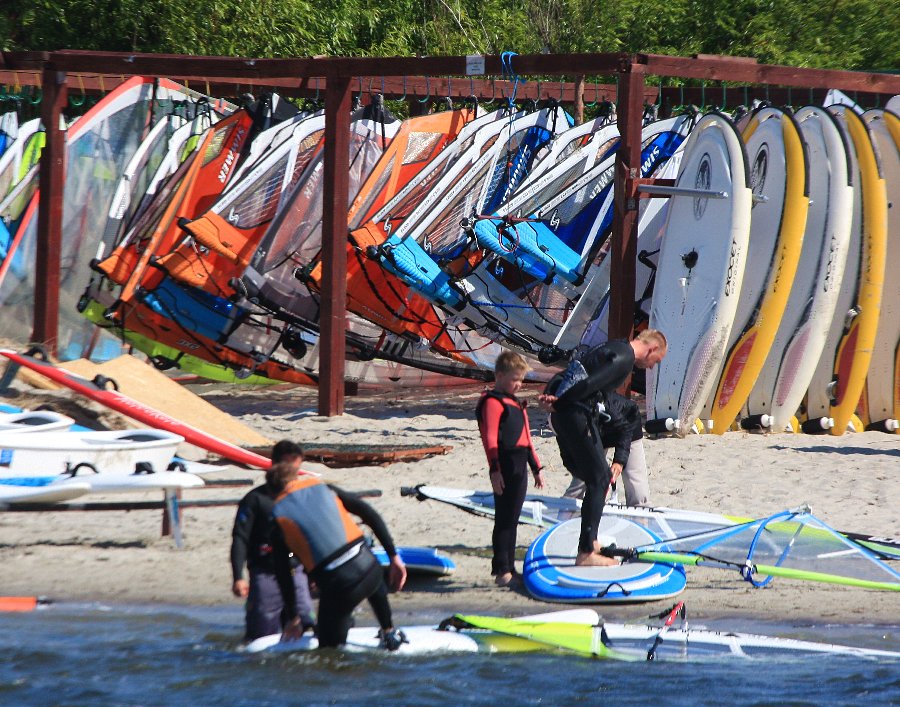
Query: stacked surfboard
[[775, 303]]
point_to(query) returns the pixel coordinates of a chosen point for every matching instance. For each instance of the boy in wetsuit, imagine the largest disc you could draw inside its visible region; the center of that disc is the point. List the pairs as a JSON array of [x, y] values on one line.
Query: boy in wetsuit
[[314, 524], [575, 416], [506, 436], [251, 544]]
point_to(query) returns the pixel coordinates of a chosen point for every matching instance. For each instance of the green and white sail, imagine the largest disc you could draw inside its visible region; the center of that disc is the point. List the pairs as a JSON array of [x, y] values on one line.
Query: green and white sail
[[791, 544]]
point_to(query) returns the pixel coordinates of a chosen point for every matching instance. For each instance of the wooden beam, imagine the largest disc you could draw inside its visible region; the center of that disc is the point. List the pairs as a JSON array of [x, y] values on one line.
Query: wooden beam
[[336, 197], [174, 66], [51, 184], [630, 109], [739, 69]]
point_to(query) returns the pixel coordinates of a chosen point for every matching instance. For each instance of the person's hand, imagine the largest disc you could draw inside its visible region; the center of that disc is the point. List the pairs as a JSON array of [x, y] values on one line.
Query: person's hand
[[293, 629], [546, 401], [616, 470], [397, 574], [240, 588], [497, 482], [539, 482]]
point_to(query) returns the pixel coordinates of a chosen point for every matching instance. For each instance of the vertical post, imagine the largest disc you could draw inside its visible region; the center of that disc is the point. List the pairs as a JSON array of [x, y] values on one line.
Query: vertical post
[[334, 246], [630, 109], [52, 181]]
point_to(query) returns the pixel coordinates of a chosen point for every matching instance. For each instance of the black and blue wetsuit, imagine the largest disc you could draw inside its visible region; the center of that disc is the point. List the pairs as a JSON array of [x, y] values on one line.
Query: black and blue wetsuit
[[316, 526], [577, 422]]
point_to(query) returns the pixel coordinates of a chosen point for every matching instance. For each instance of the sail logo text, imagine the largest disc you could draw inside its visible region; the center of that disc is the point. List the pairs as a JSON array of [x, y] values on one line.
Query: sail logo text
[[231, 157]]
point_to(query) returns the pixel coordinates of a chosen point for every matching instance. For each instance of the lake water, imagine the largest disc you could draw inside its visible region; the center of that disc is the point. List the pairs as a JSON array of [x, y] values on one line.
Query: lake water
[[91, 654]]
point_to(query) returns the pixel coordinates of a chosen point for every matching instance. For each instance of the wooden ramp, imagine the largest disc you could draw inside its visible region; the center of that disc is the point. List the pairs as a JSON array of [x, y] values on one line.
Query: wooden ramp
[[144, 383]]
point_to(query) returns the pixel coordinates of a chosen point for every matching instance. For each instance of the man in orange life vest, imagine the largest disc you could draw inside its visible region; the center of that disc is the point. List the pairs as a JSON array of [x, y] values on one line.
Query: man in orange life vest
[[315, 525], [251, 544]]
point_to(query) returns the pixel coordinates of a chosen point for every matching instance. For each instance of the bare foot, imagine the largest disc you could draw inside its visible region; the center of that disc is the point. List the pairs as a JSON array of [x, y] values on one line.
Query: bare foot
[[592, 559], [503, 580]]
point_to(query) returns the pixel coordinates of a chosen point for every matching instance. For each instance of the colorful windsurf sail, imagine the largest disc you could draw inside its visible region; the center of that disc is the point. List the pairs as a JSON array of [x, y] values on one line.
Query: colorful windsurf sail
[[578, 638], [793, 544]]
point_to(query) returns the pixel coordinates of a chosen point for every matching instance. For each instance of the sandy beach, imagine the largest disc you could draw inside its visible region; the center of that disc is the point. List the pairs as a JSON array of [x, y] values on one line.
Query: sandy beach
[[851, 482]]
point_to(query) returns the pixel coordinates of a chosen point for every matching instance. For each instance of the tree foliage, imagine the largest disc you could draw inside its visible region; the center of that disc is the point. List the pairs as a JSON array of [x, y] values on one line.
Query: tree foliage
[[848, 34]]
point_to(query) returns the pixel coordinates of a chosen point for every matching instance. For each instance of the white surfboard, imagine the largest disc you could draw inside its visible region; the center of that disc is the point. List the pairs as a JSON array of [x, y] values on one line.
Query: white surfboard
[[123, 483], [779, 180], [15, 494], [839, 377], [700, 271], [425, 639], [882, 392], [792, 360]]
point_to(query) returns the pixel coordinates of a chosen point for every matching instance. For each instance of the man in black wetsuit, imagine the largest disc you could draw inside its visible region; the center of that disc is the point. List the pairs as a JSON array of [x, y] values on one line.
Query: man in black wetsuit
[[316, 527], [251, 543], [576, 418]]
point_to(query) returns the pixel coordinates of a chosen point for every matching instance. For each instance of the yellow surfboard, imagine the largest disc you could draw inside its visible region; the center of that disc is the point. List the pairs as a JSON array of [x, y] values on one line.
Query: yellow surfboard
[[854, 352], [780, 185], [880, 404]]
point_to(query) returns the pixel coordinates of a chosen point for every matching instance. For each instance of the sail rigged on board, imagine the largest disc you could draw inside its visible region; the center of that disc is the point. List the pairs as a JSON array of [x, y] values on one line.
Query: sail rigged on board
[[793, 544]]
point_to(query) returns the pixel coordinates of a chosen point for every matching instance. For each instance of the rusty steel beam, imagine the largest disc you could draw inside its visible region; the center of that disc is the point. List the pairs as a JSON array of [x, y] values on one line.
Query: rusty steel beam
[[336, 197], [52, 179]]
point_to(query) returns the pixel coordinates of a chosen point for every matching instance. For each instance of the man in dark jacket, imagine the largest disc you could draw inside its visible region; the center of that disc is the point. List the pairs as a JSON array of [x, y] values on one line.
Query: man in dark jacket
[[251, 544], [577, 408]]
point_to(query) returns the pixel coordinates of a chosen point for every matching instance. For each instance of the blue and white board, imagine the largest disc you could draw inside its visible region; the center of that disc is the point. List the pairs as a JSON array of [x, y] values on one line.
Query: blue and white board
[[419, 560], [551, 575], [11, 494]]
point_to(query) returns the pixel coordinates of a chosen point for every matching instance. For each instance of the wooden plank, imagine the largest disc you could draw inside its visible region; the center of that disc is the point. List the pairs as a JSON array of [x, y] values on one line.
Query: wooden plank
[[177, 65], [52, 181], [625, 208], [733, 69], [334, 247]]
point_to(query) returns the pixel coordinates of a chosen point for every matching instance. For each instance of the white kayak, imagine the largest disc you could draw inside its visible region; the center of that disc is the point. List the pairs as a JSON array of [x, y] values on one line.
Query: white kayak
[[600, 639], [35, 421], [110, 452]]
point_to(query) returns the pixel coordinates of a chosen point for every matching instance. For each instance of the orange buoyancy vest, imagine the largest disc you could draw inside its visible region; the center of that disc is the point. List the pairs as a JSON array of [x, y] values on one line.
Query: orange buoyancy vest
[[315, 525]]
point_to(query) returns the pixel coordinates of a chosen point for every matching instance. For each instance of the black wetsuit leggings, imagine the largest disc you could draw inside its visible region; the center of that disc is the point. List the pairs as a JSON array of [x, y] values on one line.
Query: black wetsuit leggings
[[507, 507], [583, 455], [341, 591]]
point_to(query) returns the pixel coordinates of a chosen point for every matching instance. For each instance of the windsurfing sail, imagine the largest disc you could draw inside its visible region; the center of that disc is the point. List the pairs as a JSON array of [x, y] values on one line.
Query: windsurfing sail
[[793, 544], [575, 637]]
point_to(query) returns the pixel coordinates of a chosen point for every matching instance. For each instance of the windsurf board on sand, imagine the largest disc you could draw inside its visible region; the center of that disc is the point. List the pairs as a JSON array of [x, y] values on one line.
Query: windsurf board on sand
[[840, 375], [96, 391], [699, 272], [882, 392], [547, 511], [797, 347], [779, 181], [550, 573], [12, 494], [419, 560], [123, 483]]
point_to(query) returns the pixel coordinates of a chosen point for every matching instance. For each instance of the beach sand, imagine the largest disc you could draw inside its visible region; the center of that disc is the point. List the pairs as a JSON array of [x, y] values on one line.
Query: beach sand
[[851, 482]]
